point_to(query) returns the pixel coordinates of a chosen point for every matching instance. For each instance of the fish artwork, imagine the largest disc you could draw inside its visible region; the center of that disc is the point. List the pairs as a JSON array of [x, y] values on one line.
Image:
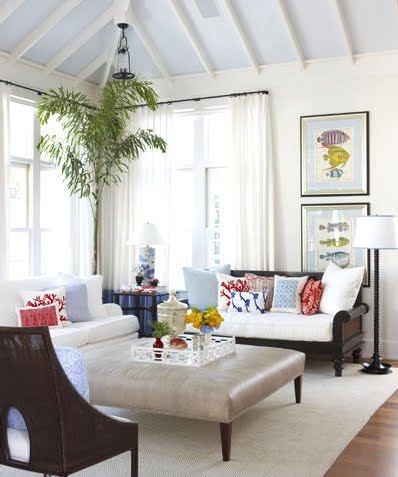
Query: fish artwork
[[341, 259], [336, 156], [334, 226], [335, 173], [333, 137], [332, 242]]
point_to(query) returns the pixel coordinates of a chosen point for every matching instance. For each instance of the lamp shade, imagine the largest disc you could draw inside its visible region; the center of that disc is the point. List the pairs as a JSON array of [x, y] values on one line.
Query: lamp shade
[[376, 232], [147, 234]]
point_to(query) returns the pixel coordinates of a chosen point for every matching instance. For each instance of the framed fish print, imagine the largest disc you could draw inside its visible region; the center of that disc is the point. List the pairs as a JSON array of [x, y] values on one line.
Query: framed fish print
[[335, 154], [327, 234]]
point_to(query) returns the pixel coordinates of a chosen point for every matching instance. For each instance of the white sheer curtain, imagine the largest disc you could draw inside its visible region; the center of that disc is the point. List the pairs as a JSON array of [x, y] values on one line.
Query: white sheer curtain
[[81, 237], [4, 167], [252, 184], [142, 196]]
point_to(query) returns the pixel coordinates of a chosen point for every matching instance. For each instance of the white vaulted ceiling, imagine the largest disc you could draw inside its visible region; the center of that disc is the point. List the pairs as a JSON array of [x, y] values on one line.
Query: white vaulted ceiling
[[170, 38]]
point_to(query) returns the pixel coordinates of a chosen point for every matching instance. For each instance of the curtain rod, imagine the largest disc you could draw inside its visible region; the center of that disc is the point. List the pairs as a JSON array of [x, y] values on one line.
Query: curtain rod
[[230, 95], [10, 83], [160, 103]]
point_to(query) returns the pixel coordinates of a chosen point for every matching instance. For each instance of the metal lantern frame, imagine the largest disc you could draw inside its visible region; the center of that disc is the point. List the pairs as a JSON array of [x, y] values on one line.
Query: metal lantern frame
[[123, 49]]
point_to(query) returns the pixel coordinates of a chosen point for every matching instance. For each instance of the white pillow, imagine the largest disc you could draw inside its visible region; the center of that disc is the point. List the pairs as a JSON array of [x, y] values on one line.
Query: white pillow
[[287, 291], [340, 288], [248, 302], [94, 296]]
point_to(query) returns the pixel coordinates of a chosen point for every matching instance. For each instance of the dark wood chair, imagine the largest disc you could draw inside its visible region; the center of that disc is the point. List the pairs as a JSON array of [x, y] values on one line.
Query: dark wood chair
[[66, 433]]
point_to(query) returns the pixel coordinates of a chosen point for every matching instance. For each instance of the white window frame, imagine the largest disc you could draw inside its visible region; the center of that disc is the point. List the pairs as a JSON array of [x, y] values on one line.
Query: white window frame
[[34, 190], [200, 168]]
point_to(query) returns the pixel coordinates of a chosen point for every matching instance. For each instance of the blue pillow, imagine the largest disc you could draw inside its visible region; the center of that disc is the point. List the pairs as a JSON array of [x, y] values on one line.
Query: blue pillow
[[202, 285], [76, 302], [72, 362]]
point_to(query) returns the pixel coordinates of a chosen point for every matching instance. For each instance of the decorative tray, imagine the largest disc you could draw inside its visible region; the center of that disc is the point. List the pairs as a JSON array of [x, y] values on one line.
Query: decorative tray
[[218, 347]]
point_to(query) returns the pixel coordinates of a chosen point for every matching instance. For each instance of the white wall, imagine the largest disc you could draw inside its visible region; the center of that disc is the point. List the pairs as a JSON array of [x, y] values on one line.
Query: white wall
[[325, 87], [32, 76]]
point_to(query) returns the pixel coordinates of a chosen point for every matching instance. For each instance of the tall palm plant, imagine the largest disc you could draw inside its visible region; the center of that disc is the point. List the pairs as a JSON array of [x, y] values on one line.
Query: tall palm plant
[[96, 146]]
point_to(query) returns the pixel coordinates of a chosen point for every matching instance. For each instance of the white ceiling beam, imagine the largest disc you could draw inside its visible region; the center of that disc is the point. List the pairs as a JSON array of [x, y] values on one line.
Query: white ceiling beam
[[80, 40], [49, 23], [344, 30], [120, 9], [8, 8], [192, 36], [148, 43], [292, 34], [241, 34], [91, 68], [110, 57]]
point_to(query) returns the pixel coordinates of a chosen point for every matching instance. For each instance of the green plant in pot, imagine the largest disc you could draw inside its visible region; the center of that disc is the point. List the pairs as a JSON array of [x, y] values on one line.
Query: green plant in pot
[[159, 329], [96, 145]]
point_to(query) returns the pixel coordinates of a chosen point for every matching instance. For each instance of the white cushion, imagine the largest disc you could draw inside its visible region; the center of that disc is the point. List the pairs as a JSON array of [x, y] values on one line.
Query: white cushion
[[19, 444], [94, 295], [340, 288], [248, 302], [283, 326], [108, 328], [69, 336]]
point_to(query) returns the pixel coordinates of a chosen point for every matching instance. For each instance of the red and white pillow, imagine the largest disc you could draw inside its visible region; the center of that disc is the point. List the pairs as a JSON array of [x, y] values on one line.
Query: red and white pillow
[[226, 283], [36, 299], [311, 297], [46, 315]]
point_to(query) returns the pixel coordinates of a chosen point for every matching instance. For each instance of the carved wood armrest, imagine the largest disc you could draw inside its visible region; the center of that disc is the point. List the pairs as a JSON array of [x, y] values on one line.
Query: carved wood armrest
[[344, 316]]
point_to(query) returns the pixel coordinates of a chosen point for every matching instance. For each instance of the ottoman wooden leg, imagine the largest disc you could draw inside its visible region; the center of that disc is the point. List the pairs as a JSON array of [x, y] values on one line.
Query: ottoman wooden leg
[[297, 388], [226, 434]]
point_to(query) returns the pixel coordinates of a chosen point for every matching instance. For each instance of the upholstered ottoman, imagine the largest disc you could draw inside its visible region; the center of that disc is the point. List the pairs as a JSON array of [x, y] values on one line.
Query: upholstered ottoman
[[220, 391]]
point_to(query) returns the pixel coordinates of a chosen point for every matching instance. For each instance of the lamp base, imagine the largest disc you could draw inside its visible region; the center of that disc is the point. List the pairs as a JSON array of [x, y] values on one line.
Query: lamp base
[[376, 368], [147, 263]]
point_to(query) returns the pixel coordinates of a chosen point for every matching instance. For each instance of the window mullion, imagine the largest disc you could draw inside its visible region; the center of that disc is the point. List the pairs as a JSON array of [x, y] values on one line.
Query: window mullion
[[36, 233], [199, 227]]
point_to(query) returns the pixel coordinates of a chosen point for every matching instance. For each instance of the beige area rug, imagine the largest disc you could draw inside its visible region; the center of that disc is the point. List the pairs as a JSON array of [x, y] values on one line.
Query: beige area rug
[[276, 438]]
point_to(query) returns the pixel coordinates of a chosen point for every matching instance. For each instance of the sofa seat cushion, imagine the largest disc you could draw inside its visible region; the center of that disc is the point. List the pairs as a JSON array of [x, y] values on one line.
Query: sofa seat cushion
[[69, 336], [283, 326], [107, 328]]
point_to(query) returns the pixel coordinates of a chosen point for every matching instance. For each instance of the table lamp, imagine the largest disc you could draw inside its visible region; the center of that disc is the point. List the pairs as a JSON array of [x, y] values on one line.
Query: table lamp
[[146, 236], [376, 232]]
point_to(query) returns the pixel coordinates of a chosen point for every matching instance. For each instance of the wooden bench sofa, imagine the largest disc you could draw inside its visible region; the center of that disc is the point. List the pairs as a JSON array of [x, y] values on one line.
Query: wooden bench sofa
[[346, 333]]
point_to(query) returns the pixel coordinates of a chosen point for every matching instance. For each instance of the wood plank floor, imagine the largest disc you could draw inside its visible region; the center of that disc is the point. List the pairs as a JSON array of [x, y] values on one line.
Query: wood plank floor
[[374, 451]]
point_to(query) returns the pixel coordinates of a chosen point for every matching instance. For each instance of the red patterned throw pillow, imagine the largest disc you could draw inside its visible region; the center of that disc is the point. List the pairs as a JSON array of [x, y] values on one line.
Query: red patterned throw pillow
[[227, 283], [311, 297], [39, 316], [47, 297]]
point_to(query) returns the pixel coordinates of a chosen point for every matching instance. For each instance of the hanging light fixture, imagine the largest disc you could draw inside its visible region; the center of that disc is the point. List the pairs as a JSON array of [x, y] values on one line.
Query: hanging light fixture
[[123, 57]]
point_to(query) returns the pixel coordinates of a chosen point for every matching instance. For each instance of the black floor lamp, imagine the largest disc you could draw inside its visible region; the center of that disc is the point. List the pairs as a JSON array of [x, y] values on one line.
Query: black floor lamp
[[376, 232]]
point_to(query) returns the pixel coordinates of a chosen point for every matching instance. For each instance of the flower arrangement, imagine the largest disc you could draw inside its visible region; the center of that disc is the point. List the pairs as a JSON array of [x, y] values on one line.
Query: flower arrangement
[[205, 320], [138, 270], [154, 282]]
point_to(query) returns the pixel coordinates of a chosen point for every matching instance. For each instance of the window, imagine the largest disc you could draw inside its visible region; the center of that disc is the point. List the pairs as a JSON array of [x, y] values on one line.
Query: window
[[200, 185], [38, 200]]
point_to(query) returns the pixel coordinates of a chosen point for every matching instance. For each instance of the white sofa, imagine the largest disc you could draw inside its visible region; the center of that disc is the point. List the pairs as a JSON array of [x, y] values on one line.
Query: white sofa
[[107, 320]]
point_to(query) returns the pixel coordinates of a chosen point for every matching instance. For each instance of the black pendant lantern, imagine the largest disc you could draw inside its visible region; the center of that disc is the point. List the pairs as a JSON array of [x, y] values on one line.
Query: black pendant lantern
[[123, 57]]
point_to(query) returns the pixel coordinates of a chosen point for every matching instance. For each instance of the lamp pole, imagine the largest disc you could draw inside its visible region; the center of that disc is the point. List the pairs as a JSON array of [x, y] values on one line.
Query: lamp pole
[[376, 366]]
